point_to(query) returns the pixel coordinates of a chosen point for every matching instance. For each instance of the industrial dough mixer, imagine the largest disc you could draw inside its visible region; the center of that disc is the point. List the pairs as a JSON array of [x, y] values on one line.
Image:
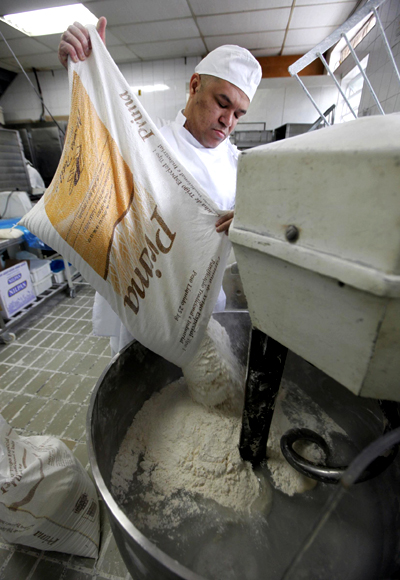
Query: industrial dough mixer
[[317, 241], [330, 294]]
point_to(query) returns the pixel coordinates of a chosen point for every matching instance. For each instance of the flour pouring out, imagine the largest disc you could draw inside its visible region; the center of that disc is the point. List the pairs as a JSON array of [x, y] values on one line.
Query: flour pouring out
[[214, 375]]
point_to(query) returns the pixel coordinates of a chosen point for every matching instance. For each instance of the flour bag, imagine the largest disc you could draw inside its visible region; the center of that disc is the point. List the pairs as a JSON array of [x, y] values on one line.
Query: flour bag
[[47, 499], [130, 217]]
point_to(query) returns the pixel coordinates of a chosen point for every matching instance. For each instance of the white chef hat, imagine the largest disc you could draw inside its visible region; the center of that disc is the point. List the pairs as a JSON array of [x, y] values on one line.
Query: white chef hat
[[234, 64]]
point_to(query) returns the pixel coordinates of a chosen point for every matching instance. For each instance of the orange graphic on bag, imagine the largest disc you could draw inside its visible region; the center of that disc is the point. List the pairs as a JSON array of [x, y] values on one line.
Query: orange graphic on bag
[[93, 187]]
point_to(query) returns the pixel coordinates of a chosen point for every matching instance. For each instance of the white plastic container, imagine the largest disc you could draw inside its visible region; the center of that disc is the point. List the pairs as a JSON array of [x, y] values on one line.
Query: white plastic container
[[59, 277], [40, 269], [333, 294], [43, 284]]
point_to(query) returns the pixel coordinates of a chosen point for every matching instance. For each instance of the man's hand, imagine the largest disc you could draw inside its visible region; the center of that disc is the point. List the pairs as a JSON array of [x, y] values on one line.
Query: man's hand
[[224, 222], [75, 42]]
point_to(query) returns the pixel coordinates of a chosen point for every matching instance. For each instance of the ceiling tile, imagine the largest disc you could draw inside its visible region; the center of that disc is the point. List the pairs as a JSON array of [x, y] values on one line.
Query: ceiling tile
[[352, 3], [9, 65], [122, 54], [44, 60], [10, 32], [16, 6], [313, 35], [259, 25], [258, 21], [202, 7], [253, 41], [317, 16], [53, 40], [111, 39], [175, 48], [26, 46], [273, 51], [126, 11], [22, 46], [39, 61], [165, 30], [289, 50]]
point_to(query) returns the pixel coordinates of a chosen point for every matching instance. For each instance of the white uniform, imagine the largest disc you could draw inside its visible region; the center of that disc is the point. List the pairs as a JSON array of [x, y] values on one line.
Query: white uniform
[[215, 169]]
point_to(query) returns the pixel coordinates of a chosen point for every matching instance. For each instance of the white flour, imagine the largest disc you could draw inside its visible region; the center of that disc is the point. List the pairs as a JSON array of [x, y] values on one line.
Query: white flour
[[184, 442], [177, 444], [214, 374]]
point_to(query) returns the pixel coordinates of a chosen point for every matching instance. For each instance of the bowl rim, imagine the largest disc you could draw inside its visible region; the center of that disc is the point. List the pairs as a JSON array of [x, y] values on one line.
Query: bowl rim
[[115, 511]]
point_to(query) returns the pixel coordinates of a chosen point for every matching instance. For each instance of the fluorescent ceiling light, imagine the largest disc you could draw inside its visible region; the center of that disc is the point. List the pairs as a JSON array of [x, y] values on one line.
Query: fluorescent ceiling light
[[149, 88], [49, 20]]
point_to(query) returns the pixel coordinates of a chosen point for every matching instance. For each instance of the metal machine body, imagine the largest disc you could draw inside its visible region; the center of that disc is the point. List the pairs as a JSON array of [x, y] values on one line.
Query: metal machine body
[[317, 243]]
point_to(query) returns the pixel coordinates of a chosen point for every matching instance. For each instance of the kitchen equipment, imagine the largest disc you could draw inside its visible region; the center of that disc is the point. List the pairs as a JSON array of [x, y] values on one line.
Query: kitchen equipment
[[317, 241], [13, 169], [361, 541], [318, 253]]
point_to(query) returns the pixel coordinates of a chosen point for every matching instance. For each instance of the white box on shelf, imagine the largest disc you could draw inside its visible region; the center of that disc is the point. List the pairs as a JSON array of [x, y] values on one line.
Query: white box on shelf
[[43, 285], [40, 269], [16, 289], [59, 277]]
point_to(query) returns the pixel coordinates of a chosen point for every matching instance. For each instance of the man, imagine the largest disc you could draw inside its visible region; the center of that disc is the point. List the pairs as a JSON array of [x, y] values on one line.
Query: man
[[220, 91]]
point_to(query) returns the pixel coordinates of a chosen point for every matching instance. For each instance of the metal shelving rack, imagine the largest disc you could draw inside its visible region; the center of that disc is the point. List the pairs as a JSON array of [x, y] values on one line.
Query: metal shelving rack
[[73, 280]]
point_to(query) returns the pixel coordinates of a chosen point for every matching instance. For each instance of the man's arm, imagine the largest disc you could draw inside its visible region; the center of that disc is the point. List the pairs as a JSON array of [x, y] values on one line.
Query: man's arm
[[224, 222], [75, 42]]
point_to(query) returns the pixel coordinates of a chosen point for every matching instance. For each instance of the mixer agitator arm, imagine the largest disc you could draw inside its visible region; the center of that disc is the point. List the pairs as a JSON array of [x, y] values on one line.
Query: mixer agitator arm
[[266, 363], [333, 474]]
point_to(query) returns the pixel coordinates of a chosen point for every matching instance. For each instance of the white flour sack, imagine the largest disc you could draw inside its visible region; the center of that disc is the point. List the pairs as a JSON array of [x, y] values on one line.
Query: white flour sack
[[129, 217], [47, 500]]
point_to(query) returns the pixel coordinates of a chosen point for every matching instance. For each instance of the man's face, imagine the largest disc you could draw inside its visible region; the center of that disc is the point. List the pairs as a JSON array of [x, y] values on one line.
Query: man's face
[[213, 109]]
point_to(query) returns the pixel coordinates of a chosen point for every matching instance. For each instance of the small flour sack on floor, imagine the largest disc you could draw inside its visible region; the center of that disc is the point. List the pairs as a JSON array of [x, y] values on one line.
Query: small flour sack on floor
[[47, 499], [130, 217]]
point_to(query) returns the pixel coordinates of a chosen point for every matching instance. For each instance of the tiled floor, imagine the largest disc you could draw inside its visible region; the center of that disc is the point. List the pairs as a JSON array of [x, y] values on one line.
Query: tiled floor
[[46, 377]]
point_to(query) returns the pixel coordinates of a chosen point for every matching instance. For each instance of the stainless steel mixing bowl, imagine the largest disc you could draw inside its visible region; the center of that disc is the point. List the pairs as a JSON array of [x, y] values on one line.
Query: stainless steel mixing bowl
[[359, 542]]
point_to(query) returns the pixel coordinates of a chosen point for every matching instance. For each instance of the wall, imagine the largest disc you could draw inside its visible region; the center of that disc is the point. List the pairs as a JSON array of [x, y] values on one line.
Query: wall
[[379, 70], [19, 102], [281, 101], [277, 101]]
